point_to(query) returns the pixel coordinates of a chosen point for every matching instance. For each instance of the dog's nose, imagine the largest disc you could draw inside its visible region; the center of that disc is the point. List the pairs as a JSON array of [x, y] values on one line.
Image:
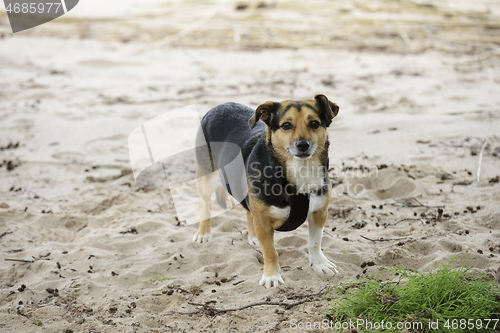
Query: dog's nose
[[303, 145]]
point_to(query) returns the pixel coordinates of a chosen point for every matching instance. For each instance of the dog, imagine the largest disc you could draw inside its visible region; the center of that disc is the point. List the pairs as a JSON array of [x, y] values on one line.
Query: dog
[[284, 147]]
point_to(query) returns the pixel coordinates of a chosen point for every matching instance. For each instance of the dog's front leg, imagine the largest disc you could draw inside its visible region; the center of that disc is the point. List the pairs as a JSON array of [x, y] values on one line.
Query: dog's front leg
[[265, 234], [264, 231], [319, 263]]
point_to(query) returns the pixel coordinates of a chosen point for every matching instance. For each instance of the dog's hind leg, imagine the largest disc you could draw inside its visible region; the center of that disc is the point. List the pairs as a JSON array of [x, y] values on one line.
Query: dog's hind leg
[[206, 187], [205, 181], [252, 238]]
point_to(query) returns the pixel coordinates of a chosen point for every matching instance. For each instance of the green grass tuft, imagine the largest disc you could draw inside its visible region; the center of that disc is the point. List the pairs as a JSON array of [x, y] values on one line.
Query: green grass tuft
[[447, 297]]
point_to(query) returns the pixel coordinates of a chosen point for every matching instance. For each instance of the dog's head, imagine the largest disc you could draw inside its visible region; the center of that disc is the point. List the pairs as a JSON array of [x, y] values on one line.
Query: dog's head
[[297, 129]]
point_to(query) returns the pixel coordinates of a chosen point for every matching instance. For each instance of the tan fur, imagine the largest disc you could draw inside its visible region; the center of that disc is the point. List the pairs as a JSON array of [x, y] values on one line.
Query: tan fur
[[205, 189], [264, 225], [319, 216], [222, 196], [251, 230]]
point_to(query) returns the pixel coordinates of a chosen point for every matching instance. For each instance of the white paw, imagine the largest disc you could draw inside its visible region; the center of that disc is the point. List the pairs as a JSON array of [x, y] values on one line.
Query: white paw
[[271, 281], [203, 238], [320, 264], [253, 240]]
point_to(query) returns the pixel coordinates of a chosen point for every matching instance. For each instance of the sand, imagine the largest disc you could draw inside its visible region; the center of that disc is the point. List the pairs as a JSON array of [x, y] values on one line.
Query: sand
[[406, 143]]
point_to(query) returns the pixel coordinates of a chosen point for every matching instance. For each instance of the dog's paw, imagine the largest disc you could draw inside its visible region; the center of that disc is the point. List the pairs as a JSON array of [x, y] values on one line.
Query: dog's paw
[[253, 240], [202, 238], [320, 264], [271, 281]]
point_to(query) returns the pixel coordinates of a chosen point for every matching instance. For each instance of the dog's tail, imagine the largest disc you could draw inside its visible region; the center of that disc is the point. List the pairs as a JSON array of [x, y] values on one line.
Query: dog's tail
[[222, 196]]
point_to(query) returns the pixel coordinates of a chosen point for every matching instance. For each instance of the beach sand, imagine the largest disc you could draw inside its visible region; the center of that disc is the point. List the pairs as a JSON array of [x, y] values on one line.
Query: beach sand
[[406, 143]]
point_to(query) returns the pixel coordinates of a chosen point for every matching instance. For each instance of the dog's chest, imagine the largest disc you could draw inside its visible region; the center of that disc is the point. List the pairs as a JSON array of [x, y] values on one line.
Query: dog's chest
[[308, 175]]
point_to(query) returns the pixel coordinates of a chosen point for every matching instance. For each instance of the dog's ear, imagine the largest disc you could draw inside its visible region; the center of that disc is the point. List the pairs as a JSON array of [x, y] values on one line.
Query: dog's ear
[[329, 109], [264, 112]]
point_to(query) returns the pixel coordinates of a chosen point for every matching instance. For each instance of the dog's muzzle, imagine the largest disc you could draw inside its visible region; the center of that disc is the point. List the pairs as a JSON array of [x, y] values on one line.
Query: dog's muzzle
[[302, 149]]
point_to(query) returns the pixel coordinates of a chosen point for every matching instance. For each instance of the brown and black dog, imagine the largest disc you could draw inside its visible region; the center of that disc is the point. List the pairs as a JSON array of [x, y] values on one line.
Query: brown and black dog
[[283, 178]]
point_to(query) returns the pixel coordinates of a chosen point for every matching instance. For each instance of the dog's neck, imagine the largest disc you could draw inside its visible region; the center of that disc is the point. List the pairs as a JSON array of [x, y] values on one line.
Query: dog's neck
[[306, 174]]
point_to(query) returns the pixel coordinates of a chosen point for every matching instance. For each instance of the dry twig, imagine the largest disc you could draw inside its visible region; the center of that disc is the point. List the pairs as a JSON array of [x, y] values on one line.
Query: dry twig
[[5, 233], [347, 225], [402, 220], [30, 261], [214, 311], [481, 159], [408, 237], [406, 202], [218, 311], [250, 245]]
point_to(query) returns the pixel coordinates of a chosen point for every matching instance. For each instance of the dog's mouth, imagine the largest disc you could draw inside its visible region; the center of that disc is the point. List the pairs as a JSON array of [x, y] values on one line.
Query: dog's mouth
[[302, 156]]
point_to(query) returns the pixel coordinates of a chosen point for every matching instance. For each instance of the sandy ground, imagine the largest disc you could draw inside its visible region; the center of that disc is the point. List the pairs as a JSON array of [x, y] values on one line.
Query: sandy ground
[[111, 256]]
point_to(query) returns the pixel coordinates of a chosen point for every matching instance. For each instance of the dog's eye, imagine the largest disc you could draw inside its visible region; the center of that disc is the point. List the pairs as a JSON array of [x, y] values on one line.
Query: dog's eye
[[314, 124], [286, 126]]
